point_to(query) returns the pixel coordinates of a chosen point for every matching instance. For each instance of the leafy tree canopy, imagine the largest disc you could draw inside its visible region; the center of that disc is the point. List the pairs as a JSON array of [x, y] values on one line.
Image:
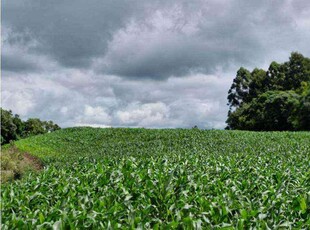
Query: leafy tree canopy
[[13, 128], [276, 99]]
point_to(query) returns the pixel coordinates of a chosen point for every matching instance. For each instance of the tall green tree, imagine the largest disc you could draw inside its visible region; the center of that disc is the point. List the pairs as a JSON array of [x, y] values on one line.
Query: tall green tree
[[239, 90], [13, 128], [303, 116], [276, 99], [297, 71], [8, 128], [20, 125], [33, 126]]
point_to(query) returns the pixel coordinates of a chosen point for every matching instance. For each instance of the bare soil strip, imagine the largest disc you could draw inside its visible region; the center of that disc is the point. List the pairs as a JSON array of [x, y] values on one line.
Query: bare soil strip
[[15, 164], [33, 161]]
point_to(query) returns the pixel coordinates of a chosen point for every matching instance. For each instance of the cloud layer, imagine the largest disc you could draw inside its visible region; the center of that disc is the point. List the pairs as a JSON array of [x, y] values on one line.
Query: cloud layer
[[140, 63]]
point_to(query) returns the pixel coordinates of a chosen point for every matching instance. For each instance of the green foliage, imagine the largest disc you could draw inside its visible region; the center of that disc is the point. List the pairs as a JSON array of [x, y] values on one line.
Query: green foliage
[[8, 128], [272, 100], [162, 179], [19, 125], [49, 126], [297, 71], [33, 126], [270, 111], [303, 115], [239, 91], [13, 128]]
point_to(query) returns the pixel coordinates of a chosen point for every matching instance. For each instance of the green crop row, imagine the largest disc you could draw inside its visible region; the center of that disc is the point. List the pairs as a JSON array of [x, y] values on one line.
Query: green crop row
[[162, 179]]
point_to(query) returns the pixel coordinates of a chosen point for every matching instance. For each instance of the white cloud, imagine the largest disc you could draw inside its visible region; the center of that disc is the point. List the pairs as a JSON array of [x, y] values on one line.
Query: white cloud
[[94, 125], [95, 114], [112, 101], [150, 114], [21, 102]]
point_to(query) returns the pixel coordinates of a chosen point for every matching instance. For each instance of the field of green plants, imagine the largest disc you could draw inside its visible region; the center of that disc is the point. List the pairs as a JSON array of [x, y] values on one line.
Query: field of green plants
[[162, 179]]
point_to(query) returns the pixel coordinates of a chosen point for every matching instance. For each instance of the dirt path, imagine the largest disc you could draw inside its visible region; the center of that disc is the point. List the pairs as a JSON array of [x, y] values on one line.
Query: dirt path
[[15, 164], [33, 161]]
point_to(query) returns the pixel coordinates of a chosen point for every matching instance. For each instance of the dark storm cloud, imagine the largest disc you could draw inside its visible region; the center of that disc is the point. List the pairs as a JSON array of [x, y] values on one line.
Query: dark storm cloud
[[17, 64], [155, 39], [179, 40], [71, 32]]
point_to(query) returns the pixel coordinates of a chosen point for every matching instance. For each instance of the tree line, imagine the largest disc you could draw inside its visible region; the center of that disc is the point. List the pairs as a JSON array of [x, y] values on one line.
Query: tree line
[[276, 99], [13, 128]]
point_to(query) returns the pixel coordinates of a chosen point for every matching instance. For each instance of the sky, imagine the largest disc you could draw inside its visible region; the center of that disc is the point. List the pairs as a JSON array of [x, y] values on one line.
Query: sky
[[134, 63]]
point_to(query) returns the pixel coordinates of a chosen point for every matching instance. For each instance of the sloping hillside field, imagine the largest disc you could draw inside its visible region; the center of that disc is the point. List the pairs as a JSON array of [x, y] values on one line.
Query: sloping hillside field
[[162, 179]]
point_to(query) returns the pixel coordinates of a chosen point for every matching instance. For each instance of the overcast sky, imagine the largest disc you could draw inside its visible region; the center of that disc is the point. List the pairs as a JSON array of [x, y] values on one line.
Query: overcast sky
[[134, 63]]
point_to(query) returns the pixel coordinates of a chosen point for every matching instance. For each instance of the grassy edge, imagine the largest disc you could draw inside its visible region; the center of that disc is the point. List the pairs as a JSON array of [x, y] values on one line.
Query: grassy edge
[[16, 164]]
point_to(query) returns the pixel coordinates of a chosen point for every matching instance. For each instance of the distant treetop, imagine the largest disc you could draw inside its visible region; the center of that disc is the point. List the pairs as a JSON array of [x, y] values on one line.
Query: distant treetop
[[276, 99], [13, 128]]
